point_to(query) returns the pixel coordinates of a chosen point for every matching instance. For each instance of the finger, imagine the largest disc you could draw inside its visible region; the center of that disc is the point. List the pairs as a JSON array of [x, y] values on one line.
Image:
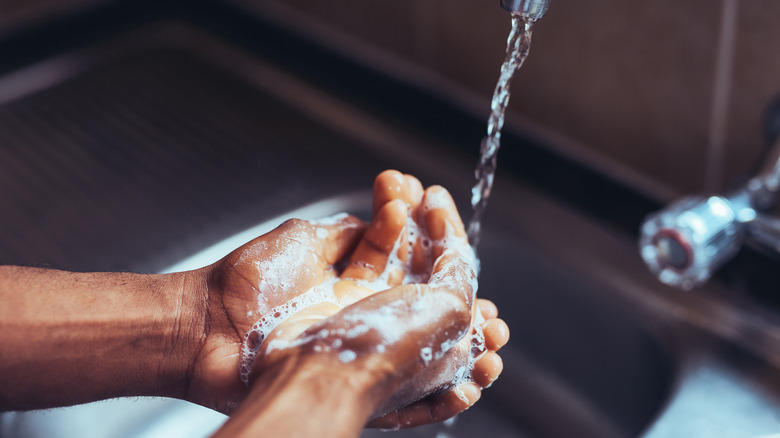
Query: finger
[[289, 330], [456, 272], [487, 308], [296, 324], [440, 214], [392, 184], [336, 237], [455, 401], [439, 217], [348, 292], [496, 334], [379, 241], [388, 421], [432, 409], [487, 369]]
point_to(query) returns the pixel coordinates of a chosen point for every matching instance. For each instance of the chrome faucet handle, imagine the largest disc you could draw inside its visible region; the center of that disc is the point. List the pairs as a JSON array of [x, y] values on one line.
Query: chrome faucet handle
[[685, 243]]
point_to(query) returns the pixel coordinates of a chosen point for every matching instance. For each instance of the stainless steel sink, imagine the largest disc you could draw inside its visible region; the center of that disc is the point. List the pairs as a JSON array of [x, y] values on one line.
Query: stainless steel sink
[[136, 152]]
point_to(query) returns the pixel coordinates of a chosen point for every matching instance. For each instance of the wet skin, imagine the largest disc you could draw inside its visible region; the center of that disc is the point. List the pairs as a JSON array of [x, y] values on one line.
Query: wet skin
[[393, 377]]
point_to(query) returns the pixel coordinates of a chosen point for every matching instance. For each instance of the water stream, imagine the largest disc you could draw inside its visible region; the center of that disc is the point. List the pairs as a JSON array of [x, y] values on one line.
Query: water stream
[[518, 45]]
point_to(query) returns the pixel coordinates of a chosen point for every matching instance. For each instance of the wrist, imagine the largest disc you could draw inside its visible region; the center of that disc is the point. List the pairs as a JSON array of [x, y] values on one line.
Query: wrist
[[189, 333], [100, 335], [335, 399]]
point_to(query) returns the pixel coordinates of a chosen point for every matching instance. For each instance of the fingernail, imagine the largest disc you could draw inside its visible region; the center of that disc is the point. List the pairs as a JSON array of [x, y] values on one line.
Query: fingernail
[[470, 391]]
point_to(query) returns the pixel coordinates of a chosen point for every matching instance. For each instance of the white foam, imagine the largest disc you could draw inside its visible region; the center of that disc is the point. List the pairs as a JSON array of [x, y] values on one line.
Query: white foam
[[331, 220], [426, 353], [347, 356], [459, 393], [446, 346], [384, 321], [278, 272], [322, 233], [279, 314], [476, 343]]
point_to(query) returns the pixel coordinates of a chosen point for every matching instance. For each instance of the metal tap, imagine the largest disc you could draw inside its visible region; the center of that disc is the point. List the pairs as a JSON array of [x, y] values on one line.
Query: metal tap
[[685, 243], [531, 9]]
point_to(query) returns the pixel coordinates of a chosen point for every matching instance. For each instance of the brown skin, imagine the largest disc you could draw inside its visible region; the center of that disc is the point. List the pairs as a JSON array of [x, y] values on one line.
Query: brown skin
[[231, 289], [398, 376], [69, 338]]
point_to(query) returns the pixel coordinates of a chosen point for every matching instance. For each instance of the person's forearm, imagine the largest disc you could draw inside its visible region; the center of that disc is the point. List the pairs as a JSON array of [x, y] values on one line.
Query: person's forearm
[[313, 396], [69, 338]]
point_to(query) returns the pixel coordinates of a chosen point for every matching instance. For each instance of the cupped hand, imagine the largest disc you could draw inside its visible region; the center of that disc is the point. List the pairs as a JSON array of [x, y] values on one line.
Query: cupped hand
[[412, 340], [421, 343], [250, 282]]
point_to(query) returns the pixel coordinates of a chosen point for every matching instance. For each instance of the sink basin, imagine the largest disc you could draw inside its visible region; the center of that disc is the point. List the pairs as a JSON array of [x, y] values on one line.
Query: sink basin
[[162, 149]]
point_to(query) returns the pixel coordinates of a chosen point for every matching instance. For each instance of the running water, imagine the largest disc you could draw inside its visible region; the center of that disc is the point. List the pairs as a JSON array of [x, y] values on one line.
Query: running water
[[518, 45]]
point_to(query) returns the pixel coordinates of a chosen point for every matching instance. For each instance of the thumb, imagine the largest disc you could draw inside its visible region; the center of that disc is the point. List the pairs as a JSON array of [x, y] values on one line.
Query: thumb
[[335, 237]]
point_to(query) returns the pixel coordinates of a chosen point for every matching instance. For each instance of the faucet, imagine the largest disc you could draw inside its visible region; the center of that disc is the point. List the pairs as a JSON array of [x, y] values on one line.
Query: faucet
[[686, 242], [531, 9]]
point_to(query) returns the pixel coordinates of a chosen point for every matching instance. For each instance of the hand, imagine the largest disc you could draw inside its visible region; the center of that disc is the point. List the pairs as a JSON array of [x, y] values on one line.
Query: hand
[[248, 283], [401, 340]]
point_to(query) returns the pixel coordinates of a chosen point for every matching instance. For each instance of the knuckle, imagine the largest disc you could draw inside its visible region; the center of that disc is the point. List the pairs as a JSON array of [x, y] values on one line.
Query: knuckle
[[296, 225]]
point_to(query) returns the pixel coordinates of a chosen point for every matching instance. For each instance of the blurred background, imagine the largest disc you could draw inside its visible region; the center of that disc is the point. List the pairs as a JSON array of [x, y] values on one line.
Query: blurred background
[[668, 96]]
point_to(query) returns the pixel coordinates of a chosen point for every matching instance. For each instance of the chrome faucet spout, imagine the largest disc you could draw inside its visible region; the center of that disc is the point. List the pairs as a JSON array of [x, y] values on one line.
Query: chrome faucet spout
[[531, 9]]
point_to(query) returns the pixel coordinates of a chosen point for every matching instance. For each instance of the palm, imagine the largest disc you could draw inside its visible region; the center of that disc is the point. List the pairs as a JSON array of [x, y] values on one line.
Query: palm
[[248, 283]]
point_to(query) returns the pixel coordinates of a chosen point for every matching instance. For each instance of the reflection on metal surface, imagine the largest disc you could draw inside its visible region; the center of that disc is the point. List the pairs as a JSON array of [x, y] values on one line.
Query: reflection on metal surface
[[716, 402], [352, 203], [686, 242], [532, 9]]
